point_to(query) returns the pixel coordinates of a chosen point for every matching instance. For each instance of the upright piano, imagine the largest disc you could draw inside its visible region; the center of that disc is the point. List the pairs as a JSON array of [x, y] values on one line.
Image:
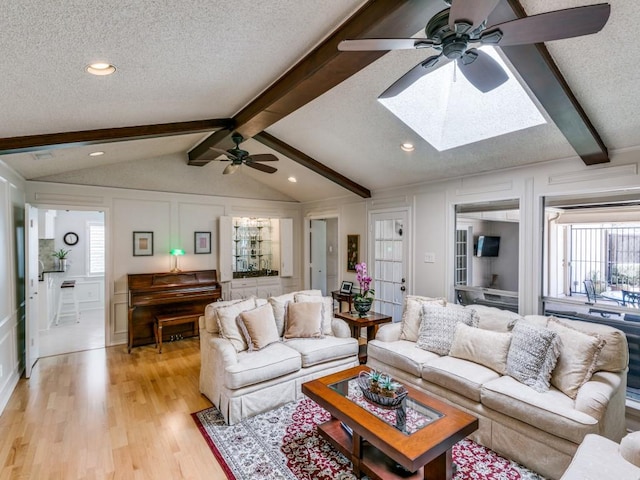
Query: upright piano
[[179, 293]]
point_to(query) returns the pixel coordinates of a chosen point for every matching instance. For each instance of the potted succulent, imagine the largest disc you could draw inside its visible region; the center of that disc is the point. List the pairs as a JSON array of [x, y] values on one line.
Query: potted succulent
[[374, 379], [388, 387], [61, 255]]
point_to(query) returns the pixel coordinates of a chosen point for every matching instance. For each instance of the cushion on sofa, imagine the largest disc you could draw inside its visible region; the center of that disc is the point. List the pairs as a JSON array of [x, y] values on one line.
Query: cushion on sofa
[[327, 309], [211, 315], [279, 304], [551, 411], [400, 354], [578, 356], [492, 318], [486, 347], [614, 356], [457, 375], [315, 350], [259, 327], [412, 315], [259, 366], [228, 322], [438, 326], [533, 354], [303, 320]]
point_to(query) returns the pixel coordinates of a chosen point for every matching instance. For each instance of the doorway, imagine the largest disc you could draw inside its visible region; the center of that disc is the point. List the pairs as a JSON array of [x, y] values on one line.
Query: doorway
[[323, 254], [71, 318]]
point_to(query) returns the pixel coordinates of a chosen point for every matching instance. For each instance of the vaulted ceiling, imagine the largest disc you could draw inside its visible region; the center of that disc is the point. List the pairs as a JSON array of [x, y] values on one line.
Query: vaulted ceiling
[[191, 72]]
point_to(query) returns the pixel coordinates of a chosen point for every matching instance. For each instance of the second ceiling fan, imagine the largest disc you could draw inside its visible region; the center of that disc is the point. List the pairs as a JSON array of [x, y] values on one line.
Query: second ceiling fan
[[457, 30], [238, 157]]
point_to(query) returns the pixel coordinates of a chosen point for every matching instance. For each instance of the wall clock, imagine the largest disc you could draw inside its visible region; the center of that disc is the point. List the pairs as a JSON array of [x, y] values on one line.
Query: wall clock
[[70, 238]]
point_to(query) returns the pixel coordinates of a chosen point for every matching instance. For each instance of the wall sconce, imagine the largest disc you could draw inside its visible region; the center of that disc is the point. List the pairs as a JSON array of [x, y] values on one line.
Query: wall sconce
[[176, 253]]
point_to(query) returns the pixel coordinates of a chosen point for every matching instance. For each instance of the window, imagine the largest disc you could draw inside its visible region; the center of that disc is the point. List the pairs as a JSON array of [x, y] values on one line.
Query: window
[[461, 257], [95, 252]]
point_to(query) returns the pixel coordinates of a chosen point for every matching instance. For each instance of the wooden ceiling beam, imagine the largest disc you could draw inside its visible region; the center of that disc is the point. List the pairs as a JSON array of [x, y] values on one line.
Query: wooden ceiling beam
[[49, 141], [313, 165], [324, 68], [538, 69]]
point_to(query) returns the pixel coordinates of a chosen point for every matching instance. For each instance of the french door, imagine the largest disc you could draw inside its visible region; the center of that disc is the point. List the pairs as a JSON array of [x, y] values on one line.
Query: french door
[[389, 252]]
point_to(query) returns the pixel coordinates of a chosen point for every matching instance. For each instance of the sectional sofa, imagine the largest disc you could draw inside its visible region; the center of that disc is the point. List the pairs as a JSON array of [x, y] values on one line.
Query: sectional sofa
[[476, 358]]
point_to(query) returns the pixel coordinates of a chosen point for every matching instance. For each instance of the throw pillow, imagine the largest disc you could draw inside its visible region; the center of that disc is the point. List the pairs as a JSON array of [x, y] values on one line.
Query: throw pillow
[[496, 319], [438, 326], [259, 327], [579, 353], [228, 324], [211, 315], [412, 315], [278, 304], [485, 347], [533, 354], [327, 309], [303, 320]]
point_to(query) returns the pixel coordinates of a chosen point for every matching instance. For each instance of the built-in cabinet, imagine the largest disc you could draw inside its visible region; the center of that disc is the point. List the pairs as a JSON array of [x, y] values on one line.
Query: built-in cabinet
[[255, 253]]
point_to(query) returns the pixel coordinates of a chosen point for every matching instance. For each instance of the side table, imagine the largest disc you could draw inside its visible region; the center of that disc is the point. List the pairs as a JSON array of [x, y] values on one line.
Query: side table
[[371, 322], [340, 297]]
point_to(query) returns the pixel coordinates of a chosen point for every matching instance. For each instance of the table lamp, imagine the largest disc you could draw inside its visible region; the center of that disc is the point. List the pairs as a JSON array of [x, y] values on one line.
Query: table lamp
[[176, 253]]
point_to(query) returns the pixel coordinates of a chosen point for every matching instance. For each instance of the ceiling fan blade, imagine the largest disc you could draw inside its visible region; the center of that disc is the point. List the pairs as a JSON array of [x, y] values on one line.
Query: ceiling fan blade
[[471, 12], [545, 27], [263, 157], [261, 167], [482, 71], [416, 73], [230, 169], [384, 44]]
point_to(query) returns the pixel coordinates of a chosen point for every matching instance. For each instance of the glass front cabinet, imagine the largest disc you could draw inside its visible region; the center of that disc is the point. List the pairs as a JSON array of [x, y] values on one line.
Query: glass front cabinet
[[254, 254]]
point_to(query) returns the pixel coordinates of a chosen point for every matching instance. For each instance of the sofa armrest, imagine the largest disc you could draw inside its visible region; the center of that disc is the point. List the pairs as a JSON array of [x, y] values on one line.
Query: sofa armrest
[[223, 351], [389, 332], [594, 396], [340, 328]]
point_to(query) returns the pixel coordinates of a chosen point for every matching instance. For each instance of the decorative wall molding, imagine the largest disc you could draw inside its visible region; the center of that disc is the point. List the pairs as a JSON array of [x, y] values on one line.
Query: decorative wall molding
[[66, 199], [598, 174], [484, 188]]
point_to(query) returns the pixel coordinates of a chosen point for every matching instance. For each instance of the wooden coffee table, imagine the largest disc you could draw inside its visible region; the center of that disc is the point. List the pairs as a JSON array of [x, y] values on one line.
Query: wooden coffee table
[[375, 445]]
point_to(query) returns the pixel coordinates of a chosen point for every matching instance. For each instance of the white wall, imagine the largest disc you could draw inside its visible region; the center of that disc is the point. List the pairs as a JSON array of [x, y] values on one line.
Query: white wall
[[173, 219], [12, 307]]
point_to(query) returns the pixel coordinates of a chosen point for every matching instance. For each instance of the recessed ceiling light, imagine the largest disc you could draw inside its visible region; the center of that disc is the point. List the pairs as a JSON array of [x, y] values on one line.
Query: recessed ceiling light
[[292, 179], [96, 154], [100, 68], [407, 147]]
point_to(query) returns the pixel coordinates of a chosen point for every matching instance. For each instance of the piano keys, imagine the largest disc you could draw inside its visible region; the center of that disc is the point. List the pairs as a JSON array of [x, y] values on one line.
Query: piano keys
[[179, 293]]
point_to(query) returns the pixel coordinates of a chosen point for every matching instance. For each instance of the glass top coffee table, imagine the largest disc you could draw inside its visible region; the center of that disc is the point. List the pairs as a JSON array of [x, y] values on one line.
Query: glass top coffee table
[[412, 442]]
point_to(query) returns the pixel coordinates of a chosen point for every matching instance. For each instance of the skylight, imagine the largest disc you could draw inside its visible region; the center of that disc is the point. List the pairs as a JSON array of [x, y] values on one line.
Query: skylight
[[447, 111]]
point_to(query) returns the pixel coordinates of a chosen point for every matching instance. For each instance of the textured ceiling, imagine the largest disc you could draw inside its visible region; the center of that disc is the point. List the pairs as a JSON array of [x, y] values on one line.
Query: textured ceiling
[[191, 60]]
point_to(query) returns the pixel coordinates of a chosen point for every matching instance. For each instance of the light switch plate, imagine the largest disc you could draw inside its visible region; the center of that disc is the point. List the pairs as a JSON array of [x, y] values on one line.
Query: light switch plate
[[429, 257]]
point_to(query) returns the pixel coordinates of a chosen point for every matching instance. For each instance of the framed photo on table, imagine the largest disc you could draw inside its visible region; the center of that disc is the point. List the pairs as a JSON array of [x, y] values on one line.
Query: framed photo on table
[[353, 252], [346, 287], [202, 242], [142, 244]]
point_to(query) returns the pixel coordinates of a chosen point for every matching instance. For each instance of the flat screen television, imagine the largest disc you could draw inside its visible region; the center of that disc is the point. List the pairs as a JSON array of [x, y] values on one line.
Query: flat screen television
[[488, 246]]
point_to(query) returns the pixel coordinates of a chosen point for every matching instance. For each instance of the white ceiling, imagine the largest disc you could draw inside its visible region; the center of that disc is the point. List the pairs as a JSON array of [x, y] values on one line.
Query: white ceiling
[[192, 60]]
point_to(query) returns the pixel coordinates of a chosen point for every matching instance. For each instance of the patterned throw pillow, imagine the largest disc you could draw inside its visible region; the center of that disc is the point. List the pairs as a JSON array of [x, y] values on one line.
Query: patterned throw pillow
[[438, 326], [412, 315], [533, 355]]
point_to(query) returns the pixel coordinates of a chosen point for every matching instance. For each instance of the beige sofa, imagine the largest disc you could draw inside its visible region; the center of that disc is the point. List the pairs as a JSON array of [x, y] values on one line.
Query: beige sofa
[[599, 458], [539, 429], [242, 382]]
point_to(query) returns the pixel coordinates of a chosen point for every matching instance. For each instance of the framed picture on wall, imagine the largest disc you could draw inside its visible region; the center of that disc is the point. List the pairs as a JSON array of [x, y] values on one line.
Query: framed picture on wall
[[142, 244], [353, 252], [202, 242]]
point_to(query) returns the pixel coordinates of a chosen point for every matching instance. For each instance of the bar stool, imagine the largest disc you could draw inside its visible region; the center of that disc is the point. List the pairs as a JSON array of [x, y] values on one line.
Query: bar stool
[[68, 301]]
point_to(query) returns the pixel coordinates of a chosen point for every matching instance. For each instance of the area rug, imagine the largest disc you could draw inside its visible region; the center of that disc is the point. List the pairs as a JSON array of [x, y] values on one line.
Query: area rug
[[284, 444]]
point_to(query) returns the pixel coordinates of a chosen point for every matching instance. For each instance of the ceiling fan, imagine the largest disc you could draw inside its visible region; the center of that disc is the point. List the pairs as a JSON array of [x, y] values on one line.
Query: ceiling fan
[[456, 31], [237, 157]]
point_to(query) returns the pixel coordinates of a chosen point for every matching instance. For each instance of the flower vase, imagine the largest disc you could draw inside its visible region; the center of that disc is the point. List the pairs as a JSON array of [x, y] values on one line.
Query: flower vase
[[363, 306]]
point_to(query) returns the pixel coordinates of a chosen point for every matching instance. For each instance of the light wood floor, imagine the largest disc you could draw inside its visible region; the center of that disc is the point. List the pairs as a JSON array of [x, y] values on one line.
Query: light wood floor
[[107, 414]]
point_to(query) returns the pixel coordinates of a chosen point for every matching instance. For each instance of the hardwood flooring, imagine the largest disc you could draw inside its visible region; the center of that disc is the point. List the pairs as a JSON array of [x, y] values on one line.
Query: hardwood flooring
[[108, 414]]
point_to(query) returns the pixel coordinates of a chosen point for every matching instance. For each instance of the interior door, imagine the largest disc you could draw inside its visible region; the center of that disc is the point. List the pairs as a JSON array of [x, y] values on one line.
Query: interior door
[[319, 255], [32, 350], [389, 266]]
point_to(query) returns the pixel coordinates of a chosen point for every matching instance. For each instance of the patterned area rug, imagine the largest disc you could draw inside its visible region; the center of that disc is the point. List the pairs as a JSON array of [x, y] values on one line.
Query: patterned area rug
[[283, 444]]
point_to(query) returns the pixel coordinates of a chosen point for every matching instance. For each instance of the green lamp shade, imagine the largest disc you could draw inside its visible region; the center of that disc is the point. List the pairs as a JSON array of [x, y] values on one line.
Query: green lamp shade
[[176, 251]]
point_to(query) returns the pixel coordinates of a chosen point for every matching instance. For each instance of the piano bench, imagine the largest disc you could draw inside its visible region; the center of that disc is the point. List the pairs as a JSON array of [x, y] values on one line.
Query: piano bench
[[169, 320]]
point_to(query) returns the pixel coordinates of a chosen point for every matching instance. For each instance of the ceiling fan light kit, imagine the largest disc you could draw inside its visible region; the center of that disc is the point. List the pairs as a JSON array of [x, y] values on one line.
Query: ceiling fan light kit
[[457, 30], [239, 157]]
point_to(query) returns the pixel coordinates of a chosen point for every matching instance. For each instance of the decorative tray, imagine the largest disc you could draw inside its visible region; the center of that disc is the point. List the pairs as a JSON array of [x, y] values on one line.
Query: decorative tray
[[384, 401]]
